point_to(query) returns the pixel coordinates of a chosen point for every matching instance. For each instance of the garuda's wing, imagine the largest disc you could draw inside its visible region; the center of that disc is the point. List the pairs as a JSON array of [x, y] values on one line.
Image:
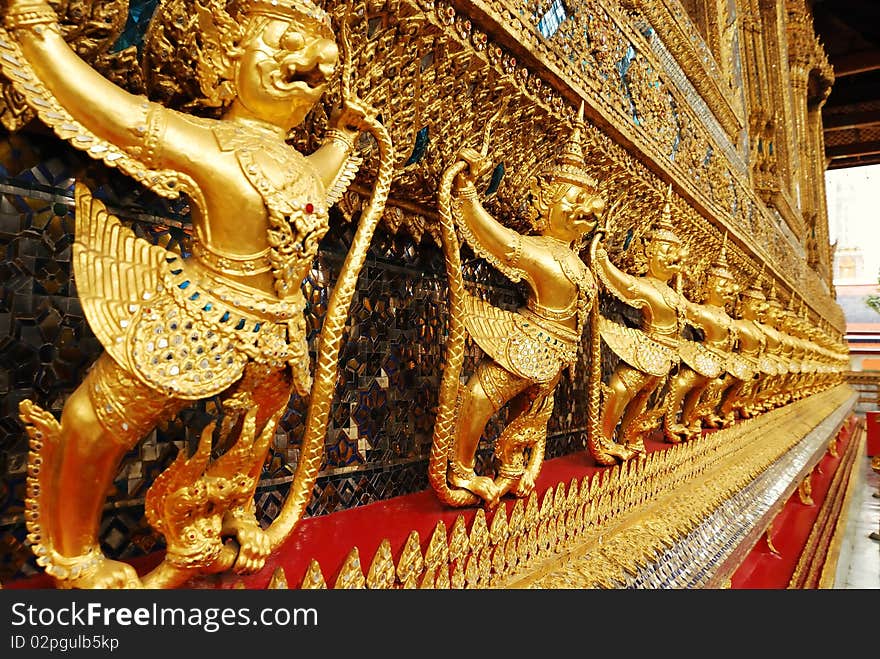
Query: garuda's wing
[[151, 314], [166, 183], [116, 272]]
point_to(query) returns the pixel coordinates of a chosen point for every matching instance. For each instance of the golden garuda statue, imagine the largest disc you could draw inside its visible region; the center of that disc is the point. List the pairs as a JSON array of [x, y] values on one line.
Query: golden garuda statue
[[526, 350], [770, 392], [647, 354], [751, 344], [226, 322], [796, 327], [703, 363]]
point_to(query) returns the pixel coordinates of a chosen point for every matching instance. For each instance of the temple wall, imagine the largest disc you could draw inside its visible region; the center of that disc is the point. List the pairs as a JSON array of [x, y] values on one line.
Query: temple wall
[[688, 95]]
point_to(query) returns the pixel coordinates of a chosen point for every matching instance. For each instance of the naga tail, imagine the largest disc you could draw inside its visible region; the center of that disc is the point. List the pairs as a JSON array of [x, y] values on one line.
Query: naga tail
[[444, 424]]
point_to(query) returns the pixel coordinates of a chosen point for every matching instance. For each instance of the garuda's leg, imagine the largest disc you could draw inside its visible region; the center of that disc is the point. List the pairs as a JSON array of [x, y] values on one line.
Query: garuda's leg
[[690, 417], [626, 382], [267, 390], [487, 390], [732, 399], [73, 464], [708, 408], [634, 417], [684, 392], [528, 414]]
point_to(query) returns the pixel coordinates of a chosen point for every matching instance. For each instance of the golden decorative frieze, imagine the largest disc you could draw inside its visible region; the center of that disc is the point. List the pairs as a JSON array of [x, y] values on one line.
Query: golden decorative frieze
[[441, 51], [666, 135], [632, 512], [174, 330], [716, 86], [314, 578], [278, 580], [818, 553], [351, 574]]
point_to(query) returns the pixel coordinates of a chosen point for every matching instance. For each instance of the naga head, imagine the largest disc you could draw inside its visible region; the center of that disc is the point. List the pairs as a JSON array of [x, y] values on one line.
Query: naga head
[[188, 501]]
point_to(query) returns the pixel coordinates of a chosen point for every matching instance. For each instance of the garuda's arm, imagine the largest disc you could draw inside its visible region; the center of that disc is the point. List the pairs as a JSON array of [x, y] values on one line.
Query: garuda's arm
[[622, 285], [337, 161], [491, 240], [78, 103]]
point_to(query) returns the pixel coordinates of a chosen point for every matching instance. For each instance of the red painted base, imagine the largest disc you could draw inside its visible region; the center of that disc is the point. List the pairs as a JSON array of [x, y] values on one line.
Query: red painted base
[[764, 568], [872, 425]]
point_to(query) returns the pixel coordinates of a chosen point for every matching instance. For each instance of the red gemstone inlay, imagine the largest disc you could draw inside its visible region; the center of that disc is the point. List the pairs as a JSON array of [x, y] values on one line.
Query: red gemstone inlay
[[309, 208]]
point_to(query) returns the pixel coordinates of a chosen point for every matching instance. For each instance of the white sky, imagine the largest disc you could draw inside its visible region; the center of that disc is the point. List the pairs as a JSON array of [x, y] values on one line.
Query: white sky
[[853, 197]]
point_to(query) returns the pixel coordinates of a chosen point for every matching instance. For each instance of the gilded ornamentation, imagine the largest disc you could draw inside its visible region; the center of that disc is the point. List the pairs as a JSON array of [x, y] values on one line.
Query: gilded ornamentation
[[751, 345], [227, 321], [231, 317], [683, 484], [351, 575], [381, 572], [314, 578], [646, 354], [703, 369], [805, 490], [526, 351]]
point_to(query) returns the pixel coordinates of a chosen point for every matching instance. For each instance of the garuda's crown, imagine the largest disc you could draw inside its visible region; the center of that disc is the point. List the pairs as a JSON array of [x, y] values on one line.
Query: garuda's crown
[[303, 11], [720, 268], [569, 166], [663, 229], [755, 291]]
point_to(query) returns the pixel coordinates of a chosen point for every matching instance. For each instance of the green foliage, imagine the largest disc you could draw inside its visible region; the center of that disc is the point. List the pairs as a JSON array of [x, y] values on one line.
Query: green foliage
[[873, 301]]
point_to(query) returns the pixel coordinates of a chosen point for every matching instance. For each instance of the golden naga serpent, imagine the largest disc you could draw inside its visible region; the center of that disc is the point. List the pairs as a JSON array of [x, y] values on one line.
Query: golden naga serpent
[[167, 575], [446, 420], [332, 331], [594, 386]]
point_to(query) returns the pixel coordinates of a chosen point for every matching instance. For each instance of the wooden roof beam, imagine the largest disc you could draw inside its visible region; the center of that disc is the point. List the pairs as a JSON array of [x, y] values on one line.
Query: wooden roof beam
[[858, 62], [840, 119], [853, 149]]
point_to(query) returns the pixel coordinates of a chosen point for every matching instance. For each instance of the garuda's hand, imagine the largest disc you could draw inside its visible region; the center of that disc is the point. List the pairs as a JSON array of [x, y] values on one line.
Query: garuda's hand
[[596, 248], [478, 163], [354, 115]]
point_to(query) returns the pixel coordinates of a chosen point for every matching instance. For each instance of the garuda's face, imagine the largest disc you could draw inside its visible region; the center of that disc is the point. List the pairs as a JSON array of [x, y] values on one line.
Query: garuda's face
[[724, 288], [576, 213], [754, 308], [664, 258], [284, 70]]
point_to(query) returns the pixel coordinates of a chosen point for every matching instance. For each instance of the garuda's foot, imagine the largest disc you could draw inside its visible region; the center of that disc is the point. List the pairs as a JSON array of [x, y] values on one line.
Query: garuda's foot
[[102, 573], [695, 430], [637, 446], [482, 486], [253, 543], [607, 452], [713, 421], [503, 485], [675, 433], [525, 485]]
